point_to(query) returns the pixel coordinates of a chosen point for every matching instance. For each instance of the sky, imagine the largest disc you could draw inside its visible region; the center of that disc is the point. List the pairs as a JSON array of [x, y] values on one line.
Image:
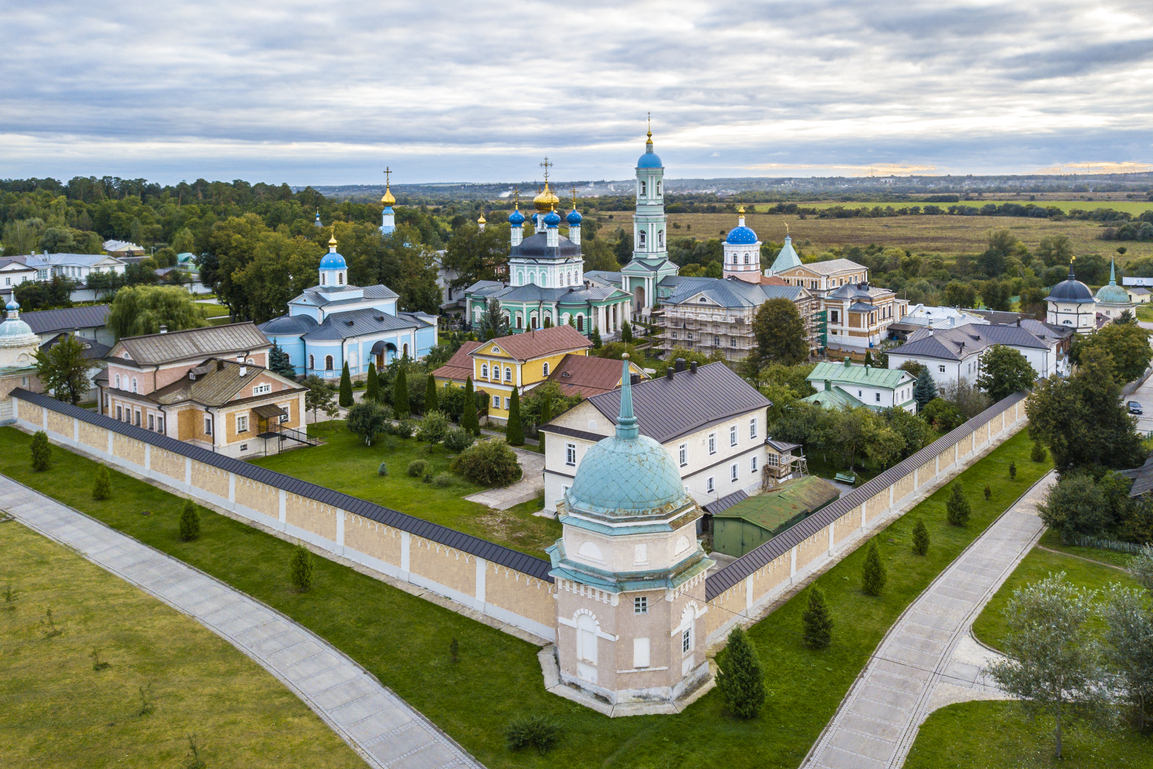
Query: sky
[[331, 92]]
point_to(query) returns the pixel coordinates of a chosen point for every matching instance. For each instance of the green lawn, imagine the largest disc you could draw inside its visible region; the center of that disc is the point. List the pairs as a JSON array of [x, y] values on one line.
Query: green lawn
[[56, 711], [346, 464], [1145, 312], [404, 640]]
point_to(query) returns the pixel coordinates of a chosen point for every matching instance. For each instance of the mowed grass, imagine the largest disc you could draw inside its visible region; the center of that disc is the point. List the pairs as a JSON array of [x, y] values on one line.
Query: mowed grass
[[999, 734], [344, 463], [405, 641], [56, 711]]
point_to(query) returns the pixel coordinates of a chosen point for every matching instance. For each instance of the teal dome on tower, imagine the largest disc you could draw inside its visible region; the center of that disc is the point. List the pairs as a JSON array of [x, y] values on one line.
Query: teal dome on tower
[[1112, 293]]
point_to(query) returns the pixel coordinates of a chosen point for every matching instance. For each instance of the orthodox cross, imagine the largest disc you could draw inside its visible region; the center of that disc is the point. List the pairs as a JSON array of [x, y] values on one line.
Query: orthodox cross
[[516, 196], [574, 197], [546, 165], [387, 174]]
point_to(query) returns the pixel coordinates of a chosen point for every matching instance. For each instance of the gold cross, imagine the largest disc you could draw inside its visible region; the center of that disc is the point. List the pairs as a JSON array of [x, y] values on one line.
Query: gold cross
[[387, 174], [516, 196], [545, 165], [574, 196]]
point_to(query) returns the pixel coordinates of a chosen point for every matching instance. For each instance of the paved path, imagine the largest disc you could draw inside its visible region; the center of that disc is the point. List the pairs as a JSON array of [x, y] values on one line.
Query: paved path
[[380, 726], [527, 488], [878, 720]]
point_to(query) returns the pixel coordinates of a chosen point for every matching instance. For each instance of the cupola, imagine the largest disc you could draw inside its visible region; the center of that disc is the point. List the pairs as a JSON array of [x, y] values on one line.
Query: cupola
[[333, 268]]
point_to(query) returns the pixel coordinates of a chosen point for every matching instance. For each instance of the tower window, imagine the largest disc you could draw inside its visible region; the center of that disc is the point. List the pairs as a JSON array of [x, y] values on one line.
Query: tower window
[[658, 189], [322, 279], [641, 605], [644, 188], [340, 278], [641, 238]]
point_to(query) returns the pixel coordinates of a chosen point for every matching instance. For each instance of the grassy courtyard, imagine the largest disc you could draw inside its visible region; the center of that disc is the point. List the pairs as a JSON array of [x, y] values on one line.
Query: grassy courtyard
[[405, 641], [346, 464], [57, 711]]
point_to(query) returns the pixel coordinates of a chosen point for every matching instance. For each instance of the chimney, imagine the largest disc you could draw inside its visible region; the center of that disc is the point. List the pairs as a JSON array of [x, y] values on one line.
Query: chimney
[[828, 385], [164, 329], [243, 368], [693, 367], [220, 365], [669, 373], [680, 364], [848, 362], [1018, 321], [635, 378]]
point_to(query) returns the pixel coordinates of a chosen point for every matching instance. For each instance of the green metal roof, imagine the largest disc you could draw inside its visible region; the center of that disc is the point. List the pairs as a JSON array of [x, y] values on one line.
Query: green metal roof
[[790, 499], [840, 374], [786, 259], [833, 399]]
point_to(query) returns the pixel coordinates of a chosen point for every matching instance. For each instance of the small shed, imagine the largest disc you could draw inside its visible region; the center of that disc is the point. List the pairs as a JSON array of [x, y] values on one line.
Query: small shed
[[751, 522]]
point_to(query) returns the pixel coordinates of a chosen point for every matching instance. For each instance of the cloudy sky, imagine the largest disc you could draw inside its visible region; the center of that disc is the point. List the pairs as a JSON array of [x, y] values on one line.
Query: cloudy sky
[[330, 91]]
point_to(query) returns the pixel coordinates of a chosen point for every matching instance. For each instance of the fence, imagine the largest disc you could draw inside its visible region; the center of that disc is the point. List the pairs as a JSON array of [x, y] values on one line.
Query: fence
[[1080, 540]]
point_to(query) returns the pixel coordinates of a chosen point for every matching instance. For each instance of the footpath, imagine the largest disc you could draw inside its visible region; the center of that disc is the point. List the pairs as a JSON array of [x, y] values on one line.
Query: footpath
[[381, 727], [927, 659]]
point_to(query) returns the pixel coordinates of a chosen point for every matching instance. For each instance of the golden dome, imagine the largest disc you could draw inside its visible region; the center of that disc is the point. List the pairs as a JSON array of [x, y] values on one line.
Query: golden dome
[[546, 200], [741, 210], [332, 240], [481, 220], [387, 199]]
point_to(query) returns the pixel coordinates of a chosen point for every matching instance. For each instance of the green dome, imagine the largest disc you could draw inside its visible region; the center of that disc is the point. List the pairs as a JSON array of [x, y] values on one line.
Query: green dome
[[1112, 293]]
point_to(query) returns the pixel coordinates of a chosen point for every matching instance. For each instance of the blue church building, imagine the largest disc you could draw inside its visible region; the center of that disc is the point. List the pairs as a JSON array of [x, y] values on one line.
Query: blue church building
[[334, 322]]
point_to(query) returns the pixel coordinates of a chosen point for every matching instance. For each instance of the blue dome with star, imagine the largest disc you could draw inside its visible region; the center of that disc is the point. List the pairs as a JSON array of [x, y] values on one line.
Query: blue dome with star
[[552, 219], [574, 217], [741, 236], [516, 218], [333, 261]]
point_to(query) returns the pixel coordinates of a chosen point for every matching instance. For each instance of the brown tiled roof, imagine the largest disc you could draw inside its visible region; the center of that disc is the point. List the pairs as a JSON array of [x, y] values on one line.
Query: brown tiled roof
[[192, 343], [459, 366], [542, 342], [587, 376]]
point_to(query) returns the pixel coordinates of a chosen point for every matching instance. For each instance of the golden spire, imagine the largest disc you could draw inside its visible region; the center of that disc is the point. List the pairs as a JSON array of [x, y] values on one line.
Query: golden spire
[[332, 240], [786, 229], [516, 197], [650, 128], [387, 199], [574, 197]]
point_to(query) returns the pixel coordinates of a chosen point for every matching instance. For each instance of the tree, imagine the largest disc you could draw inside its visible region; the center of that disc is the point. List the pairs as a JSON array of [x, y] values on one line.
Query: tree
[[740, 677], [1053, 662], [1076, 505], [595, 337], [139, 310], [102, 485], [1129, 644], [780, 333], [41, 451], [366, 420], [997, 295], [547, 321], [345, 387], [1012, 471], [400, 402], [1127, 345], [915, 432], [475, 254], [1038, 453], [957, 507], [1055, 249], [468, 417], [300, 569], [942, 415], [920, 538], [433, 427], [488, 463], [189, 521], [405, 261], [959, 294], [493, 324], [63, 370], [320, 396], [925, 389], [626, 332], [873, 574], [280, 363], [514, 432], [817, 621], [1004, 371], [545, 415], [372, 384]]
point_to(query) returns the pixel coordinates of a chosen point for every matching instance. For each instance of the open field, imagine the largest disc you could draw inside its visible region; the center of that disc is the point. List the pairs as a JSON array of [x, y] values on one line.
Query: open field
[[404, 640], [1128, 206], [57, 711], [345, 463]]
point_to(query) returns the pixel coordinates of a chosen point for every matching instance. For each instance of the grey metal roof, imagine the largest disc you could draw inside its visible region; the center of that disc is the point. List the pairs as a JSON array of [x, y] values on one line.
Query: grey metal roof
[[669, 408], [66, 319], [344, 325], [318, 295], [570, 432], [207, 342], [289, 324], [1011, 336], [945, 343], [1142, 479], [721, 581], [526, 564], [730, 292], [536, 246], [93, 350], [724, 503]]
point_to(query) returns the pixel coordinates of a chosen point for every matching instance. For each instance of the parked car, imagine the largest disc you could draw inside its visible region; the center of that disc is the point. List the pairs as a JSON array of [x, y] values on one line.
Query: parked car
[[1135, 408]]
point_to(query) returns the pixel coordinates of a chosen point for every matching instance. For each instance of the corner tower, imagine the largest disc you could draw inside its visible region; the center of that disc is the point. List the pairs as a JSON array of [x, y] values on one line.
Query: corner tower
[[650, 263], [630, 573]]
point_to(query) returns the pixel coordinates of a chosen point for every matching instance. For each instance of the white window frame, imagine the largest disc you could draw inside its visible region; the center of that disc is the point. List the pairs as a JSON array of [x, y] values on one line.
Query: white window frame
[[710, 485], [570, 455], [544, 368], [687, 641], [712, 444], [208, 425], [734, 473], [733, 436], [262, 389], [683, 454], [753, 429], [241, 419], [641, 604], [753, 464], [496, 401]]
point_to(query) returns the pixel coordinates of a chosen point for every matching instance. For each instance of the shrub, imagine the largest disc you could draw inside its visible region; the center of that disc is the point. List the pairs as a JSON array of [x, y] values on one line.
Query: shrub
[[433, 427], [390, 442], [920, 538], [817, 621], [741, 679], [443, 480], [873, 574], [532, 732], [957, 508], [405, 429], [300, 568], [189, 521], [489, 463], [1012, 471], [41, 451], [988, 491], [417, 468], [102, 486], [1038, 453], [382, 471], [458, 439], [400, 400]]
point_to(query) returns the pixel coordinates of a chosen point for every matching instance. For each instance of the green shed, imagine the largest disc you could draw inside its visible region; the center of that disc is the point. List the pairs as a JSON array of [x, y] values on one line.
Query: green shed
[[750, 522]]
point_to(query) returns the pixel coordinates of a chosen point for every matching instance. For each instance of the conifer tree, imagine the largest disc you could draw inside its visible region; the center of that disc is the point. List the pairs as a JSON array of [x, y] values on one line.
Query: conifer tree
[[1038, 453], [868, 358], [595, 338], [430, 397], [189, 522], [626, 332], [345, 399], [817, 620], [300, 568], [514, 432], [957, 509], [468, 418], [41, 451], [400, 394], [548, 321], [873, 574], [988, 491], [372, 384], [280, 363], [1012, 471], [572, 321], [920, 538], [741, 679], [102, 487], [925, 389]]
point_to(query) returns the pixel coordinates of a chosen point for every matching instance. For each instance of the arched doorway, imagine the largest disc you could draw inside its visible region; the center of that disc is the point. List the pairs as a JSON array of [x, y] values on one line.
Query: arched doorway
[[638, 299]]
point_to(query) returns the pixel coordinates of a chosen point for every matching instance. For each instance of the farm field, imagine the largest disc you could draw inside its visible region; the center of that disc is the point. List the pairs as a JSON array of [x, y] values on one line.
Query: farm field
[[1128, 206], [59, 712]]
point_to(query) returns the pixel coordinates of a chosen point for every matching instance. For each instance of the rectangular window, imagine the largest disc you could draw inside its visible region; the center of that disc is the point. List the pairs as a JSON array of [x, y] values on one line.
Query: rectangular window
[[496, 401], [753, 429], [941, 369], [138, 419], [262, 389], [878, 395], [151, 422], [241, 423], [754, 463], [686, 640], [507, 404], [733, 473], [640, 652], [709, 485], [570, 454], [119, 413], [712, 443], [641, 605], [208, 425], [733, 435], [159, 424], [683, 454]]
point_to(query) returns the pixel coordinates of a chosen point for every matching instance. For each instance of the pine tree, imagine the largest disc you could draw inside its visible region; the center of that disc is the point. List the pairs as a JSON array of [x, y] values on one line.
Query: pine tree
[[873, 574], [102, 487], [300, 568], [817, 621], [41, 451], [925, 389], [345, 399], [988, 491], [400, 402], [595, 338], [868, 358], [430, 398], [957, 509], [548, 321], [468, 418], [189, 522], [920, 538], [1038, 453], [572, 321], [545, 416], [626, 332], [372, 384], [741, 679], [279, 363], [514, 432], [1013, 471]]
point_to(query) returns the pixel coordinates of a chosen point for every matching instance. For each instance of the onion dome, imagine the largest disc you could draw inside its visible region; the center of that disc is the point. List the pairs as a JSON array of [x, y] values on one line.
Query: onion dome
[[333, 261], [387, 199], [574, 218], [546, 200], [481, 220], [552, 219], [628, 474], [15, 332], [12, 306], [741, 235], [1070, 290], [516, 218], [1112, 293]]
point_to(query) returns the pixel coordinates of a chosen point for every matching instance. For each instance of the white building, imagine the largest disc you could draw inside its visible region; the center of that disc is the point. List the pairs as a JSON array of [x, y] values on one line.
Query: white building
[[76, 267], [1071, 304], [956, 353], [845, 384], [940, 317], [13, 272], [709, 420]]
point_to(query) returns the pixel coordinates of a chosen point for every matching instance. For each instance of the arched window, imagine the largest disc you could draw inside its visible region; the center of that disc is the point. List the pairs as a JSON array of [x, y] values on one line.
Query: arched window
[[322, 277], [545, 368], [658, 189], [581, 323], [660, 238], [587, 638], [746, 257], [328, 363], [134, 384], [484, 371], [352, 360], [311, 363], [644, 188], [519, 320], [117, 381], [533, 320], [641, 238], [520, 277], [404, 350], [340, 278], [507, 374]]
